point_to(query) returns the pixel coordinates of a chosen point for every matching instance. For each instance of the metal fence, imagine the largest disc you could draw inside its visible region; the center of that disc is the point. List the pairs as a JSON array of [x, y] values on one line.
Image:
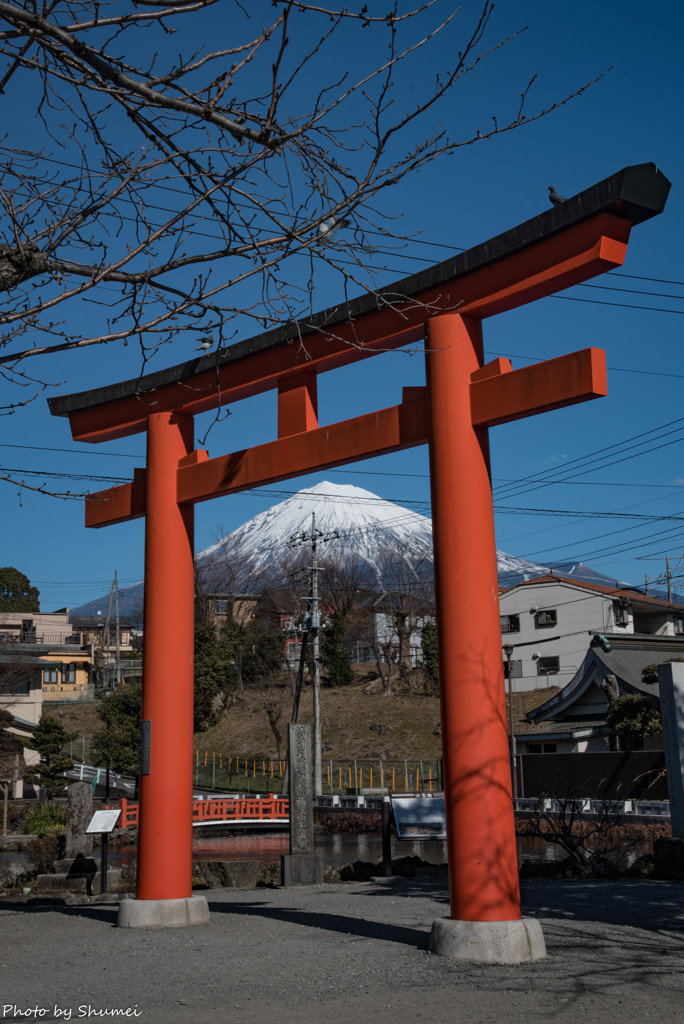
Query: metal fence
[[618, 775], [622, 775], [258, 775]]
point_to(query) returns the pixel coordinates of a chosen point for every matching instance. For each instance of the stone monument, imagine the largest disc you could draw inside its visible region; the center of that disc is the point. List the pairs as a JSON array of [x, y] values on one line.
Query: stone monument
[[671, 680], [76, 869], [301, 866], [79, 813]]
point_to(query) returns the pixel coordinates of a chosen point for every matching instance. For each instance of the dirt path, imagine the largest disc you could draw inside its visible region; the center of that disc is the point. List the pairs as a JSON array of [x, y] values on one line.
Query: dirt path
[[353, 954]]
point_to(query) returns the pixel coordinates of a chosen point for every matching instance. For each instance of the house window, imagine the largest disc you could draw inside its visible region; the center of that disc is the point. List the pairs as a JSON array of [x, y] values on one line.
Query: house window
[[548, 666], [221, 606], [679, 626], [18, 686], [547, 617], [70, 673], [516, 669], [50, 675], [28, 632], [510, 623], [541, 748], [620, 614]]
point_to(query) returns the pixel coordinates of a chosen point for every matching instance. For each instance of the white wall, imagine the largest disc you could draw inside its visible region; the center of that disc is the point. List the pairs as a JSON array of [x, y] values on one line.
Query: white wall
[[577, 613]]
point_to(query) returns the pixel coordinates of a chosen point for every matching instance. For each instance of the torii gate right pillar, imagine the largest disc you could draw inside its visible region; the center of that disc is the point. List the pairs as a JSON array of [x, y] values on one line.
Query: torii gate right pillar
[[485, 921]]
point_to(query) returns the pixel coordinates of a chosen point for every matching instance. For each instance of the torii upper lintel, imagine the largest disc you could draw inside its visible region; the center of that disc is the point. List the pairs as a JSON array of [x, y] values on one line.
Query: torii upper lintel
[[562, 246]]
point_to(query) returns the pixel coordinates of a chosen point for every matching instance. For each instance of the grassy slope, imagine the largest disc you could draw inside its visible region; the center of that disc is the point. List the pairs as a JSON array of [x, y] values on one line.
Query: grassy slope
[[347, 715]]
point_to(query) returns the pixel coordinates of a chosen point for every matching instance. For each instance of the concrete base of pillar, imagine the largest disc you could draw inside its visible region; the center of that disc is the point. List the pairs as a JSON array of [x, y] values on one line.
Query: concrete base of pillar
[[490, 942], [178, 913], [301, 869]]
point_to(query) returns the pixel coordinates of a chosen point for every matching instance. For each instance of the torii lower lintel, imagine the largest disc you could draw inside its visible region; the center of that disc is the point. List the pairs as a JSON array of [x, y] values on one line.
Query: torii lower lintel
[[496, 396]]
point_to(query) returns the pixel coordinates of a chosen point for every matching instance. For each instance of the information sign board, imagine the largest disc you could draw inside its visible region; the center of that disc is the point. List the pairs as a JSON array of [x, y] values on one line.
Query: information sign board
[[103, 821]]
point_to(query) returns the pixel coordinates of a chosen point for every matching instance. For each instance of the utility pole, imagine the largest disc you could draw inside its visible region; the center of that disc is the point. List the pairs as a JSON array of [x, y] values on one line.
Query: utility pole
[[105, 639], [118, 631], [669, 578], [314, 625], [315, 653]]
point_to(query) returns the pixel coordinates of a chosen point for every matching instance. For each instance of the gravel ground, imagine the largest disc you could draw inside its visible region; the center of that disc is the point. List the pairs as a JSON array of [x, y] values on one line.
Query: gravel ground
[[351, 954]]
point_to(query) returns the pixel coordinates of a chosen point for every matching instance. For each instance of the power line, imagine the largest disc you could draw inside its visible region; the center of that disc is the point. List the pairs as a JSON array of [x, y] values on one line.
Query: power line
[[620, 305], [70, 451], [65, 476]]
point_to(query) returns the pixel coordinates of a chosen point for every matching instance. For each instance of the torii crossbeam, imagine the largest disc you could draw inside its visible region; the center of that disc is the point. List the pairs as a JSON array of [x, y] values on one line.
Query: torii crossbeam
[[445, 305]]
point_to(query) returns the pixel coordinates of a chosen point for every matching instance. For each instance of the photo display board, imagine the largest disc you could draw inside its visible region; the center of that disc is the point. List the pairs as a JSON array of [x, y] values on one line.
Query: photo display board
[[419, 815]]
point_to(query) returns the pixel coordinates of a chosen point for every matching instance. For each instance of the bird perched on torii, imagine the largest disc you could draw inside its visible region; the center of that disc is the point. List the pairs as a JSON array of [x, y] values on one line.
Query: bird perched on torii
[[555, 197]]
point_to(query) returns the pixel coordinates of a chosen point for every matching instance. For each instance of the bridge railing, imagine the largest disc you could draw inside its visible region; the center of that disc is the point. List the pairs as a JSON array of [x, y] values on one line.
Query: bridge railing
[[269, 808]]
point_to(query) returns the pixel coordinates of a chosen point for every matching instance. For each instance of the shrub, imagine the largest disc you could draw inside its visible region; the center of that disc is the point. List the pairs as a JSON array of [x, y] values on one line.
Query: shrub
[[42, 821], [43, 851]]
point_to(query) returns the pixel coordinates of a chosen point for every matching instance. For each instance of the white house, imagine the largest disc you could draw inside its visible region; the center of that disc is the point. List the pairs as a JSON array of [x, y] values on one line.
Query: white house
[[548, 624]]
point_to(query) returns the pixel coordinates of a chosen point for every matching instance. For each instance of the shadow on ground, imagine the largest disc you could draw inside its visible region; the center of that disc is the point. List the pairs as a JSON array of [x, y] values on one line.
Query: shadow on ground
[[342, 923], [106, 913]]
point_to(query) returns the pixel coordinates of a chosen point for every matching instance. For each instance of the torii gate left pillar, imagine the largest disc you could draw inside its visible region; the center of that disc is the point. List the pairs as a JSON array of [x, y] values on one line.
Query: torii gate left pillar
[[463, 398]]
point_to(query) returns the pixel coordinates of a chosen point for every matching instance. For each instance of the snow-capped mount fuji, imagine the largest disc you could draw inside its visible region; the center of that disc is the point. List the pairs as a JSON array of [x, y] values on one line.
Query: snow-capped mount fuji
[[368, 529], [362, 527]]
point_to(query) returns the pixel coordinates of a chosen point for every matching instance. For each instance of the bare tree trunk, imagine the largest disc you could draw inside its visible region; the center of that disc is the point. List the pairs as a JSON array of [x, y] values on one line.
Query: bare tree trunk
[[385, 678], [274, 710], [403, 630], [239, 682], [4, 786]]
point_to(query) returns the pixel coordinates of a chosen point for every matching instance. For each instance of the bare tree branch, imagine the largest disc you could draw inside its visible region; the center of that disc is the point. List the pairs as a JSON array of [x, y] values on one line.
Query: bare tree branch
[[181, 187]]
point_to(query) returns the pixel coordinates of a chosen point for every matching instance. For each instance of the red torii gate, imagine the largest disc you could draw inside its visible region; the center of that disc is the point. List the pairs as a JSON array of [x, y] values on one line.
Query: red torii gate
[[561, 247]]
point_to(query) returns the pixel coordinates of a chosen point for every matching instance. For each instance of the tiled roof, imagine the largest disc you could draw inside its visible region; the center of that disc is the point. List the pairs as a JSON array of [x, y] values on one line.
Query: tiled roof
[[598, 588], [551, 727]]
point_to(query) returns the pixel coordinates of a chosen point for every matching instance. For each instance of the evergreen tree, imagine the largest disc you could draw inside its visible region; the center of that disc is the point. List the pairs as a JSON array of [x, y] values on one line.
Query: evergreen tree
[[10, 749], [265, 653], [333, 652], [117, 746], [16, 592], [430, 652], [49, 739], [213, 671], [634, 716]]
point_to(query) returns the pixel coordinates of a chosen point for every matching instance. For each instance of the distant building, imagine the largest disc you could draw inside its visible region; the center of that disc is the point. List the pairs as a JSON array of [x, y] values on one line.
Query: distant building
[[573, 719], [42, 649], [99, 635], [21, 693]]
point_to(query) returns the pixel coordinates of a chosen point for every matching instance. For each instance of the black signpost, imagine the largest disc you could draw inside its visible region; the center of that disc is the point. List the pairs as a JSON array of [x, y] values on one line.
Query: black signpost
[[102, 823]]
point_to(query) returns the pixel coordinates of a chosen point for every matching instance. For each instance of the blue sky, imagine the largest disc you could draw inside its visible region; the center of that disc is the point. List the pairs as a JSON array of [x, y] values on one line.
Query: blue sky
[[632, 115]]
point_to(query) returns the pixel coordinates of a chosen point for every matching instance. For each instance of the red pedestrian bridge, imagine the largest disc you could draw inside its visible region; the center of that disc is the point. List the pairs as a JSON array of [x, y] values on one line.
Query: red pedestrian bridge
[[262, 811]]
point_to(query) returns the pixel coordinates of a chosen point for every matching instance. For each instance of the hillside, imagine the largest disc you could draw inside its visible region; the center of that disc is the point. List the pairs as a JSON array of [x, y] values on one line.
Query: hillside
[[347, 715]]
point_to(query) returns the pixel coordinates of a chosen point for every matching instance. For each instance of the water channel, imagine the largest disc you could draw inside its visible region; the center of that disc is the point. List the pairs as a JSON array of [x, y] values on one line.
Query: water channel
[[334, 848]]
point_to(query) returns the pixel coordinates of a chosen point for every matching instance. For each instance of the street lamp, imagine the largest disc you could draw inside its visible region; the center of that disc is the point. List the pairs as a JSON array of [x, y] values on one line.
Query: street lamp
[[508, 651]]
